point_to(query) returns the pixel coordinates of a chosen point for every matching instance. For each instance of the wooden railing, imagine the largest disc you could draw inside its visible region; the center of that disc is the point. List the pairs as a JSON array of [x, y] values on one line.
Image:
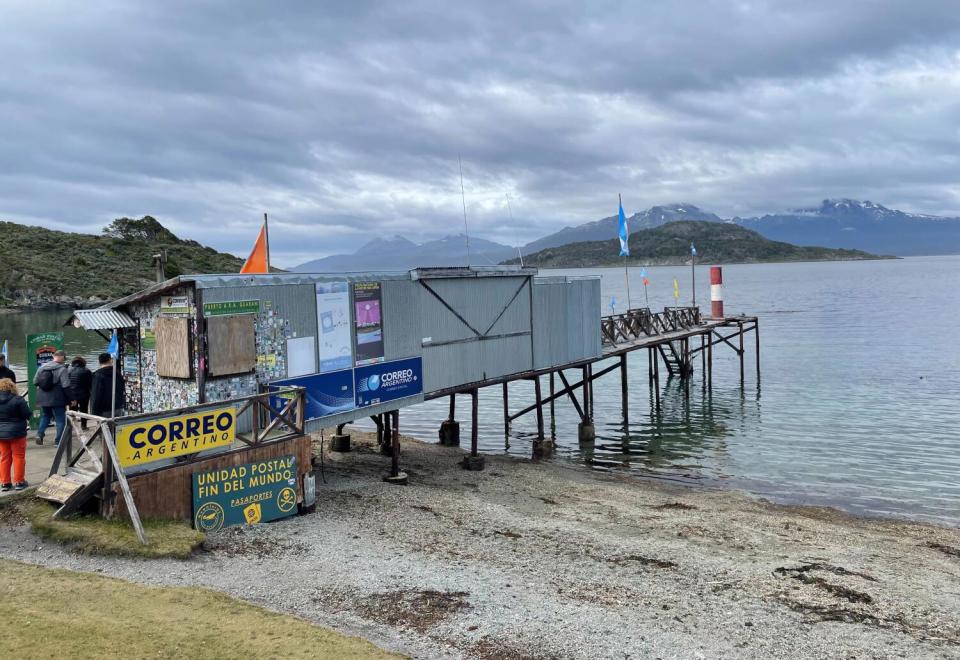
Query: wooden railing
[[641, 322]]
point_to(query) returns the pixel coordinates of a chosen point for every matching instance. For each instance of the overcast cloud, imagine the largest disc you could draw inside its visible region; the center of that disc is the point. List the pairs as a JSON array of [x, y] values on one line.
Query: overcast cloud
[[344, 120]]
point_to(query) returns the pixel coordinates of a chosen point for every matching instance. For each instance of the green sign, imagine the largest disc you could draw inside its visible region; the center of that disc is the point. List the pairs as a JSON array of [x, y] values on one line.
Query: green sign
[[245, 494], [231, 307], [40, 350]]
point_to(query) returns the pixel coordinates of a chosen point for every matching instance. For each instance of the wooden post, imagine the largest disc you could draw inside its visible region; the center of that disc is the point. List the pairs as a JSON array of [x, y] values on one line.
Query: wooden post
[[656, 376], [474, 422], [553, 419], [124, 487], [453, 407], [624, 389], [539, 398], [590, 383], [710, 360], [756, 336], [385, 448], [395, 460], [506, 410], [740, 326], [586, 394]]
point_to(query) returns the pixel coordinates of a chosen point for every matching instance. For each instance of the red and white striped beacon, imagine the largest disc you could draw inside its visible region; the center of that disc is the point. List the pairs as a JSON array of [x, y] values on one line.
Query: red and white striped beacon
[[716, 292]]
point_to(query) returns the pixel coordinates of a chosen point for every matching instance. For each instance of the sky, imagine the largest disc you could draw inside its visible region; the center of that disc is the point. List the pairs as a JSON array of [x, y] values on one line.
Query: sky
[[345, 120]]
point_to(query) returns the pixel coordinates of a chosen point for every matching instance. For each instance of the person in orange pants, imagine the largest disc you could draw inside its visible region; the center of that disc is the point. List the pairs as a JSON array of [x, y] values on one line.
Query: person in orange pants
[[14, 413]]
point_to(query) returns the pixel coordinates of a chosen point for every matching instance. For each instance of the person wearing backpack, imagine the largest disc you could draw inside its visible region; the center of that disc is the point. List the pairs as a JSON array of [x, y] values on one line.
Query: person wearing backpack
[[53, 395], [81, 381], [14, 413]]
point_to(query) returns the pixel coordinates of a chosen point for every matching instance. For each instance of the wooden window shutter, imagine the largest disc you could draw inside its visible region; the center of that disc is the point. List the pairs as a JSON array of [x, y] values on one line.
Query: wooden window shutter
[[231, 345], [173, 347]]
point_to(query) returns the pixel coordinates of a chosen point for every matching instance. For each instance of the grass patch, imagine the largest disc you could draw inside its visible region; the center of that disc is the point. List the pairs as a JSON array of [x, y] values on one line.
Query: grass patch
[[96, 536], [57, 613]]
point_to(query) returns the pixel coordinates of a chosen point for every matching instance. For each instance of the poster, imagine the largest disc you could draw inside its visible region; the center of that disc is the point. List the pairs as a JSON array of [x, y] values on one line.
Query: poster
[[174, 305], [40, 350], [369, 322], [245, 494], [333, 323], [326, 394], [301, 356], [387, 381]]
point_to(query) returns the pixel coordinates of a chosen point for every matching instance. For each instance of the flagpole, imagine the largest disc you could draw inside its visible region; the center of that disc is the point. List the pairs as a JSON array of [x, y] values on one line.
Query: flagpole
[[113, 387], [626, 271], [266, 234], [693, 275]]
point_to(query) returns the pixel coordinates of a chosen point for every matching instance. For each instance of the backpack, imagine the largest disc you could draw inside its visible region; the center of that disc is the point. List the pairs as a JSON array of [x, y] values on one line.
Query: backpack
[[45, 380]]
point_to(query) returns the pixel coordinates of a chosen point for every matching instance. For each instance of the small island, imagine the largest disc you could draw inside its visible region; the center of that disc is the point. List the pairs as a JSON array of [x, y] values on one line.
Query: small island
[[669, 244]]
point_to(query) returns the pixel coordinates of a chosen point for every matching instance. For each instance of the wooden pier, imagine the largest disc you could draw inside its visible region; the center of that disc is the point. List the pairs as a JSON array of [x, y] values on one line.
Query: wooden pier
[[676, 338]]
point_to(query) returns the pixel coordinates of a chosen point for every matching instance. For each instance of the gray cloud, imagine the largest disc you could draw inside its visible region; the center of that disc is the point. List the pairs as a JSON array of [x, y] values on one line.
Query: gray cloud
[[345, 120]]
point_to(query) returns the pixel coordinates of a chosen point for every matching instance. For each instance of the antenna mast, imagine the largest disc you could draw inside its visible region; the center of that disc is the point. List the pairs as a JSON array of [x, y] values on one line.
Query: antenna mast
[[510, 210], [463, 198]]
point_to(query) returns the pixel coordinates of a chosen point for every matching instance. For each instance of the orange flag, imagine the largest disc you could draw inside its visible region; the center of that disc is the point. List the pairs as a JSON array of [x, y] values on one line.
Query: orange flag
[[259, 259]]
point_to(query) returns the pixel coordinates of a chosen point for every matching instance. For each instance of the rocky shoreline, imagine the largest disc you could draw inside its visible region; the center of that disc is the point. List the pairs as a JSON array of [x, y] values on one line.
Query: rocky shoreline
[[550, 560]]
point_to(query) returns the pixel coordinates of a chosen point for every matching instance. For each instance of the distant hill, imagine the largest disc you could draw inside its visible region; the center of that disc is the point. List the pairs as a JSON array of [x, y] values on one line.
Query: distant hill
[[848, 223], [716, 242], [398, 253], [47, 268], [601, 230]]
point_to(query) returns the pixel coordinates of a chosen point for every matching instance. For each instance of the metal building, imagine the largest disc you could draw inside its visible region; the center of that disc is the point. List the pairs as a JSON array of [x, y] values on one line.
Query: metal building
[[361, 344]]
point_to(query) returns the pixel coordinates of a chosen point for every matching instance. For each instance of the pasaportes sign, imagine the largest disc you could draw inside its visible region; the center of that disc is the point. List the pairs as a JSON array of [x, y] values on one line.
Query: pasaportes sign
[[386, 381], [169, 437], [245, 494]]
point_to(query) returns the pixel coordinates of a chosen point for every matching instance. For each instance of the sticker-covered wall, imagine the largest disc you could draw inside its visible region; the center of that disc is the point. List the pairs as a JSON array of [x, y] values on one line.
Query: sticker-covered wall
[[143, 382], [284, 330]]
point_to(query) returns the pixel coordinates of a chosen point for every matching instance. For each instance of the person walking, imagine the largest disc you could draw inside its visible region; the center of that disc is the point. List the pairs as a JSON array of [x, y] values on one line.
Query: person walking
[[14, 413], [5, 371], [53, 395], [101, 398], [81, 381]]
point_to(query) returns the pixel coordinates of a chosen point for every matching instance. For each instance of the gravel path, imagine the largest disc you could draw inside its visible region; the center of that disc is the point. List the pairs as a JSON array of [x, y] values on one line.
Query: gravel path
[[547, 559]]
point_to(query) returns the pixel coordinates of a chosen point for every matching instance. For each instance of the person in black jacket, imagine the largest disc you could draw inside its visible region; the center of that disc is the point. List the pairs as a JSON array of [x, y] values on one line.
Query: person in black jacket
[[14, 413], [101, 399], [81, 381], [5, 371]]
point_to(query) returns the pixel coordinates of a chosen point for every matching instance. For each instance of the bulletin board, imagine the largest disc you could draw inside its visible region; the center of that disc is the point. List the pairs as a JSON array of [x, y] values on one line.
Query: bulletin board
[[173, 347]]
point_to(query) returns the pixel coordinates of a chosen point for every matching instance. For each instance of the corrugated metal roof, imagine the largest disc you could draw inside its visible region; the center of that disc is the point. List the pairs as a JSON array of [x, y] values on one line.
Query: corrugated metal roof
[[100, 319]]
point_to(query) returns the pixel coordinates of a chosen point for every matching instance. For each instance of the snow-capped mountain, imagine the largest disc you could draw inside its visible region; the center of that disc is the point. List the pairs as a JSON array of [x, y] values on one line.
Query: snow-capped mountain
[[849, 223], [600, 230]]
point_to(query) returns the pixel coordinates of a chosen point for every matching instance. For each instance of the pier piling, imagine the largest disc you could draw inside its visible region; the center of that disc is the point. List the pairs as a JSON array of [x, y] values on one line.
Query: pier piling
[[474, 461]]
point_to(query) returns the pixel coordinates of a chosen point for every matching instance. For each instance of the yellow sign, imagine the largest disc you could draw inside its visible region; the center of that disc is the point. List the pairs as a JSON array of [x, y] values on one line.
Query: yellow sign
[[158, 439]]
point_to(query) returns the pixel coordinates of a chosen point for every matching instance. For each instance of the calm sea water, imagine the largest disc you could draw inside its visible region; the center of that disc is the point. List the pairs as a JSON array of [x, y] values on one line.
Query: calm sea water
[[858, 405]]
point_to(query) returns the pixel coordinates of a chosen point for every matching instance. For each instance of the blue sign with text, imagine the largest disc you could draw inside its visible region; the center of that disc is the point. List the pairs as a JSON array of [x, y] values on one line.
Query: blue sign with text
[[386, 381], [326, 394]]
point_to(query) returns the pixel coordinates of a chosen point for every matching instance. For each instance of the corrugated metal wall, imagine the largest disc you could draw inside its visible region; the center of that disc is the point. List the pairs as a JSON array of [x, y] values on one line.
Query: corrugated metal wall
[[481, 345], [566, 320], [295, 303]]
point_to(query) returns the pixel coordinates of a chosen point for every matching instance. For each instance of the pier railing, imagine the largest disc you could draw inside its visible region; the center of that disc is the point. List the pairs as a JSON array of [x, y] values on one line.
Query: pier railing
[[641, 322]]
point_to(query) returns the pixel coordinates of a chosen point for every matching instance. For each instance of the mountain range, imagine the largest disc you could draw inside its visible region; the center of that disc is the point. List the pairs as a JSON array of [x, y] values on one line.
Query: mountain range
[[835, 223]]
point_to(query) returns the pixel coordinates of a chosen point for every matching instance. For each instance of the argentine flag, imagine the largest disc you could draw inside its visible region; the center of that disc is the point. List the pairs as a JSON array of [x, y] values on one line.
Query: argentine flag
[[693, 250], [624, 234], [114, 347]]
